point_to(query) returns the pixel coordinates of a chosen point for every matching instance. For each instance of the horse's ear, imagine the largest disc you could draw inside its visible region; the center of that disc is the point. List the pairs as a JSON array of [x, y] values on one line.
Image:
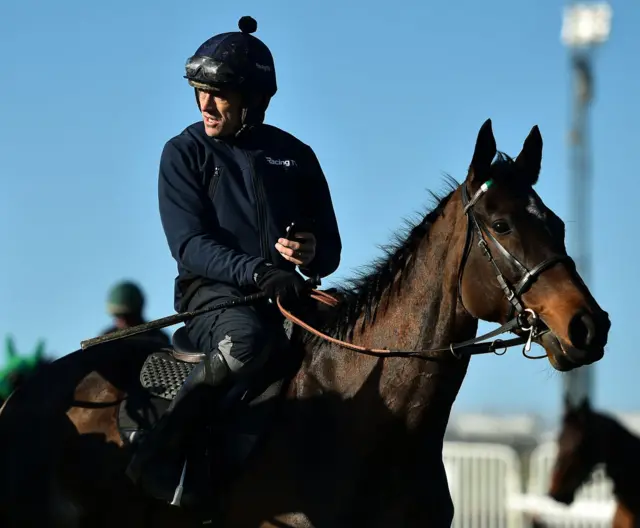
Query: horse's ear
[[39, 351], [11, 348], [485, 151], [529, 160], [585, 405], [583, 409]]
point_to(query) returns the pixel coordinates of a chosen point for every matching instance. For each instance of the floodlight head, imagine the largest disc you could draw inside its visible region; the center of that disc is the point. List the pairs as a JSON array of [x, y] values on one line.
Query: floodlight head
[[586, 24]]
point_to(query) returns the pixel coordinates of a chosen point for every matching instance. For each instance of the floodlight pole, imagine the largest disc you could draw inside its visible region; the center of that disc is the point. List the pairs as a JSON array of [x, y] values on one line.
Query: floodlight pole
[[584, 27]]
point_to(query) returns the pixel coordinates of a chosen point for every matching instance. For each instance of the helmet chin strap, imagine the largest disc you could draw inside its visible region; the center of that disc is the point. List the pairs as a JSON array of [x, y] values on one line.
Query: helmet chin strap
[[253, 114]]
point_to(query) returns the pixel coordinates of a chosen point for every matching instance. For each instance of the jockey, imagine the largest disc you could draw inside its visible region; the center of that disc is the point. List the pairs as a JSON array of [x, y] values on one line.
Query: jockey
[[229, 186], [125, 304]]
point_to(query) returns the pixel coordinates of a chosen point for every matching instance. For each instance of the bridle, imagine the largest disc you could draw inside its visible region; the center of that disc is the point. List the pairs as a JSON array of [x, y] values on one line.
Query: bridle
[[528, 276], [518, 317]]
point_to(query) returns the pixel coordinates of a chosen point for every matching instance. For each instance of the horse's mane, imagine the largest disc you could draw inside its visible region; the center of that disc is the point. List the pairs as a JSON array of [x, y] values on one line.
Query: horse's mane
[[361, 295]]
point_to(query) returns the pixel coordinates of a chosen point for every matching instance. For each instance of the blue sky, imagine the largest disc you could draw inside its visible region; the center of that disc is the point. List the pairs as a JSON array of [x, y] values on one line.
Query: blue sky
[[389, 96]]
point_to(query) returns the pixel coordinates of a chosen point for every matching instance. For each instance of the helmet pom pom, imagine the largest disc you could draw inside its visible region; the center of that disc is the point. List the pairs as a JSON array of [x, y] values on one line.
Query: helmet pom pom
[[248, 24]]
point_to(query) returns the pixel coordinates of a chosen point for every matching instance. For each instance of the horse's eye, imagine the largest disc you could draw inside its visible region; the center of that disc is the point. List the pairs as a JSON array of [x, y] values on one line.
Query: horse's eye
[[501, 227]]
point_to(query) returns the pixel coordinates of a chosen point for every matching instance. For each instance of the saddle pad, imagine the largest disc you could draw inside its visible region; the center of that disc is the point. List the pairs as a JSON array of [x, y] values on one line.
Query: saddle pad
[[162, 375]]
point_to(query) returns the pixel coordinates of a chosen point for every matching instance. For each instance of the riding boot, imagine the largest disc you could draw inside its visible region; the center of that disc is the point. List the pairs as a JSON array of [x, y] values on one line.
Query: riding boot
[[158, 460]]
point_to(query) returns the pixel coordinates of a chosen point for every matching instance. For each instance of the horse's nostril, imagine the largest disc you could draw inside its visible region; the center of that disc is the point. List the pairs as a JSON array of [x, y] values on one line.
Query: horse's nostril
[[582, 331]]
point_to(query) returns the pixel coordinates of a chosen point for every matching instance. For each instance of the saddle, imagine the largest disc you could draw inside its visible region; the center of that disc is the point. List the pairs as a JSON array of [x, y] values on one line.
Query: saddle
[[242, 415]]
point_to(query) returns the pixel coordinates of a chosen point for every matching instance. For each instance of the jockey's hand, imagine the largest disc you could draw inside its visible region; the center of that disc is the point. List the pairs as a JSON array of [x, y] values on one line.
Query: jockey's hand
[[301, 250], [273, 281]]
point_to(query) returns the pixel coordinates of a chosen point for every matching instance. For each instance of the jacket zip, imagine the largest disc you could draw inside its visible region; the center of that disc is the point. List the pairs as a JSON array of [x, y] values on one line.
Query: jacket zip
[[260, 200], [214, 183]]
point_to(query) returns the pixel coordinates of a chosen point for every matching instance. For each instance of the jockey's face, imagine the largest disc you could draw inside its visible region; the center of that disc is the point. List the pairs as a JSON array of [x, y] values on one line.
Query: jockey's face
[[221, 112]]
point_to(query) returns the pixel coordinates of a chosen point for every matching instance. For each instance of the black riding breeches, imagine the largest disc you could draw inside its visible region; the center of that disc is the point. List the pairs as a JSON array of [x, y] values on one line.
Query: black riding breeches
[[244, 335]]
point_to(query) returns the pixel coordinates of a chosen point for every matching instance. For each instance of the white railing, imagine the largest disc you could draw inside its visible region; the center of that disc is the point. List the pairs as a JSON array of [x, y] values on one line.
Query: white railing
[[486, 487], [482, 478]]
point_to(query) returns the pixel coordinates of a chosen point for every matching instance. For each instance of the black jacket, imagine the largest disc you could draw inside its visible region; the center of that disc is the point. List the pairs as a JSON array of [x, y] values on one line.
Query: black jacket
[[224, 203]]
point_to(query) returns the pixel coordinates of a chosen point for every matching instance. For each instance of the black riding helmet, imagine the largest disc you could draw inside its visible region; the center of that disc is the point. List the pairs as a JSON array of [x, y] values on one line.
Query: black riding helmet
[[239, 61]]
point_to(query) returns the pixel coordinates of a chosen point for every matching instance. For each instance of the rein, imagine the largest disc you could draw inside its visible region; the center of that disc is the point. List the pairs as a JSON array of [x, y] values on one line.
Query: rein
[[472, 345], [525, 319]]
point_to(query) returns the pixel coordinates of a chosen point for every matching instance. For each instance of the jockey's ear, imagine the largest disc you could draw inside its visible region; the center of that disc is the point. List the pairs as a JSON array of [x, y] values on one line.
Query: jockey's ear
[[529, 160], [485, 151]]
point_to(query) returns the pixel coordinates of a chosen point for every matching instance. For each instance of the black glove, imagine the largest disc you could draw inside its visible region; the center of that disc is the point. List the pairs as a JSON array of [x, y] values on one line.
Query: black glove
[[276, 282]]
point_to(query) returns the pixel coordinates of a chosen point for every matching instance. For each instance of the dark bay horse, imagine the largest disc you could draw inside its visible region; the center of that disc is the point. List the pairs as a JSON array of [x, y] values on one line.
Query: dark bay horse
[[587, 439], [357, 440]]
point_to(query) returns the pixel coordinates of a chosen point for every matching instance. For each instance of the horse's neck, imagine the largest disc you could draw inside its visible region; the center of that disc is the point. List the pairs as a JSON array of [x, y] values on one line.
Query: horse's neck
[[622, 462], [424, 314]]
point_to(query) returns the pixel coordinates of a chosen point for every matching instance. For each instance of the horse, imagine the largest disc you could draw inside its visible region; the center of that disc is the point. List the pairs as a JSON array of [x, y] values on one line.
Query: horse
[[587, 439], [19, 368], [334, 432]]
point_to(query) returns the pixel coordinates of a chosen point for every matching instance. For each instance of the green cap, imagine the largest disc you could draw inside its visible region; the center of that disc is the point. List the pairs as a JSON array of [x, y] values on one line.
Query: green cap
[[125, 298]]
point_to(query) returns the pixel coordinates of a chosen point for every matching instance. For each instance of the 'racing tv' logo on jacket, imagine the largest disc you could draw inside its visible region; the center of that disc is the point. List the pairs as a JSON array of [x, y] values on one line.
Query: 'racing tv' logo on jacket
[[284, 163]]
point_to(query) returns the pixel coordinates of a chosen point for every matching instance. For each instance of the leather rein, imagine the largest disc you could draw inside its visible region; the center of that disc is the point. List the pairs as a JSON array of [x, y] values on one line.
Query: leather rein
[[518, 317]]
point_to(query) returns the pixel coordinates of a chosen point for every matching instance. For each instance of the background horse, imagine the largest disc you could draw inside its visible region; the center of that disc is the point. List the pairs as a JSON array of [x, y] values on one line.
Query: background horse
[[589, 438], [357, 440], [18, 368]]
